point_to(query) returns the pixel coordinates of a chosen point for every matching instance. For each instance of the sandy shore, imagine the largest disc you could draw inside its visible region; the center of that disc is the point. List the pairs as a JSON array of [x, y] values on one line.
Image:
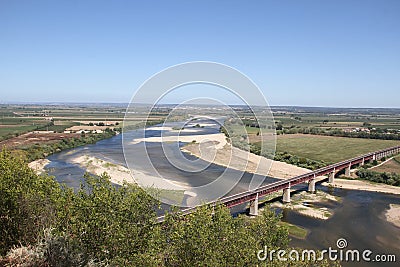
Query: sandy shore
[[393, 214], [172, 129], [38, 165], [222, 153], [303, 203], [118, 174], [364, 185], [218, 137]]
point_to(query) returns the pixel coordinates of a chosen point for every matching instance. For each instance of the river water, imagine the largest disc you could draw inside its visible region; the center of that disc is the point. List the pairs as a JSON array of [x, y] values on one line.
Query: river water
[[358, 217], [159, 155]]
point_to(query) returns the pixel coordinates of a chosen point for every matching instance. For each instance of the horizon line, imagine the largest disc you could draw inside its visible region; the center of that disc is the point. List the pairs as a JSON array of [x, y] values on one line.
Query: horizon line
[[127, 103]]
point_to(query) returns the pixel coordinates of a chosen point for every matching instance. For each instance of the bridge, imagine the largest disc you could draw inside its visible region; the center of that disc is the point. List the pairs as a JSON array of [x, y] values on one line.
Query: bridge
[[330, 171]]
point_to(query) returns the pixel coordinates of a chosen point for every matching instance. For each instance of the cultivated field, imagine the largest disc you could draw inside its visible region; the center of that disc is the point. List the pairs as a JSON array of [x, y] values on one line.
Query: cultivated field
[[337, 118], [19, 119], [16, 120], [328, 148]]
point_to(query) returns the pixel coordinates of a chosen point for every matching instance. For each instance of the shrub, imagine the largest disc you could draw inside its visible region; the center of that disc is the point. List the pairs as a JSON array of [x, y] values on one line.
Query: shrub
[[387, 178], [28, 202], [23, 256]]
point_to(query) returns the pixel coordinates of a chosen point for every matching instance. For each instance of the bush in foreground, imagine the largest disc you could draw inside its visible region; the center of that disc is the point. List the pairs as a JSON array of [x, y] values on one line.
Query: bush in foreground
[[44, 224], [28, 203]]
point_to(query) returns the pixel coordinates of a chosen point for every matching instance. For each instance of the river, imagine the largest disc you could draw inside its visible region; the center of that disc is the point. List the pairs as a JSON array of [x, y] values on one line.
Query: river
[[359, 217]]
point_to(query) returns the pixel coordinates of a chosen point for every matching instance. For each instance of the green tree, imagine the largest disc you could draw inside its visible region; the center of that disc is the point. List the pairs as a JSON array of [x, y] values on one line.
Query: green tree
[[28, 202], [211, 237], [115, 223]]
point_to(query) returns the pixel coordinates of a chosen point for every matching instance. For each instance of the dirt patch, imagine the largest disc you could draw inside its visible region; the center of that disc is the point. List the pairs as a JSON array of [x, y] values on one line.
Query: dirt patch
[[393, 214], [88, 128], [33, 138]]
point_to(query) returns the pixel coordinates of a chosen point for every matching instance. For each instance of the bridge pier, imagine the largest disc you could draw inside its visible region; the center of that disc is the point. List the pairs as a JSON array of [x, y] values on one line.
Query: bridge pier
[[362, 162], [311, 185], [254, 206], [347, 170], [331, 177], [286, 195]]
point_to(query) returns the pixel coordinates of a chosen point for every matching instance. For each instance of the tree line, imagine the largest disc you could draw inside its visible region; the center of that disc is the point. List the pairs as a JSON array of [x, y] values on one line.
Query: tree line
[[338, 132], [379, 177]]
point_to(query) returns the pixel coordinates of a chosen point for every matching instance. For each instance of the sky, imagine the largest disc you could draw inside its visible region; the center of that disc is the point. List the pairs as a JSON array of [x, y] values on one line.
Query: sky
[[304, 53]]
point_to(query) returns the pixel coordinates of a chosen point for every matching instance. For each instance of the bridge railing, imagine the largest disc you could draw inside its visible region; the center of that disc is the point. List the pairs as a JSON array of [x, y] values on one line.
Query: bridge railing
[[306, 175]]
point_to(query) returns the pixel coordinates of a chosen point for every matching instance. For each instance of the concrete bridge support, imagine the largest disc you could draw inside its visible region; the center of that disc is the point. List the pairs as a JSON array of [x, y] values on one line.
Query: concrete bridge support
[[286, 195], [254, 207], [331, 177], [347, 170], [362, 162], [311, 185]]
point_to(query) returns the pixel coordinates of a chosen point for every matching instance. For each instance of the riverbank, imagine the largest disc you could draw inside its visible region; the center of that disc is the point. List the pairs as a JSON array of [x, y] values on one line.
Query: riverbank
[[393, 214], [39, 148], [354, 184], [38, 165], [224, 154], [118, 174]]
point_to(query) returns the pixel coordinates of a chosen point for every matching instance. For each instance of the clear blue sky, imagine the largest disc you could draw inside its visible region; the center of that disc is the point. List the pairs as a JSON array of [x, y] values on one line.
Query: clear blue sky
[[312, 53]]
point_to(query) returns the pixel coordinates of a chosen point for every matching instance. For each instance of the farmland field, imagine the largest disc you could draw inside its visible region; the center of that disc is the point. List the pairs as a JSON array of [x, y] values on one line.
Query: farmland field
[[341, 120], [16, 119], [328, 148]]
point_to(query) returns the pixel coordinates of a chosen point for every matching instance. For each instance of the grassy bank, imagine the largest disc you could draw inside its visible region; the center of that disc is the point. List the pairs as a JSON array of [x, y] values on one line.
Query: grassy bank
[[294, 230], [328, 148], [391, 166]]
